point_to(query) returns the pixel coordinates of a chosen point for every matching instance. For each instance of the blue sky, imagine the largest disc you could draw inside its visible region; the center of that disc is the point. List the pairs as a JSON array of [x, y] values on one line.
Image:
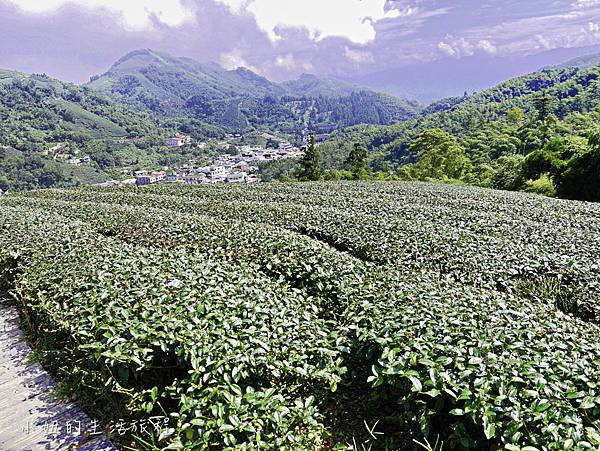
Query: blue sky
[[283, 38]]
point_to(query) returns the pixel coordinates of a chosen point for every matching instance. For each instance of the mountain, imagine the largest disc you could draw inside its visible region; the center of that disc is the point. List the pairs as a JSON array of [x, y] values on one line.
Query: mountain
[[164, 83], [537, 133], [516, 117], [239, 98], [582, 62], [57, 134], [37, 109], [311, 85]]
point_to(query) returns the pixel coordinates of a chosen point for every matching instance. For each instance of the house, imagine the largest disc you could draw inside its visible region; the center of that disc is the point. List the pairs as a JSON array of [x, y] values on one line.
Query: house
[[217, 171], [149, 179], [242, 166], [285, 146], [270, 155], [178, 141], [108, 184], [237, 177], [192, 179]]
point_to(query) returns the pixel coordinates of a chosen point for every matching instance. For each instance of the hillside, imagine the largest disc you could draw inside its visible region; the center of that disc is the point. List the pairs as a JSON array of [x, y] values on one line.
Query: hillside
[[239, 98], [315, 316], [500, 129], [37, 109], [582, 62], [164, 83], [46, 123], [311, 86]]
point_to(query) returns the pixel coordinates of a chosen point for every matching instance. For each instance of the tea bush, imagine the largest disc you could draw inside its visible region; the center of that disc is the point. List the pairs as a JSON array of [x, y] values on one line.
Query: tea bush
[[317, 315]]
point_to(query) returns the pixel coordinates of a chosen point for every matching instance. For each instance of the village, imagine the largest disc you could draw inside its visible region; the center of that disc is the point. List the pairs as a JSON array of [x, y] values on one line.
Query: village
[[241, 167]]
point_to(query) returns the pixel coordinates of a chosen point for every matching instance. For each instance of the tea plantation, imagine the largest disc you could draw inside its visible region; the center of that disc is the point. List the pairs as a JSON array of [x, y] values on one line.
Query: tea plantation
[[316, 315]]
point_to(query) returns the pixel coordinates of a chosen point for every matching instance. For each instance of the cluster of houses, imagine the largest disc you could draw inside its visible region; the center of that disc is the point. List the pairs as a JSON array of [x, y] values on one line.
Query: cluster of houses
[[195, 176], [254, 155], [61, 152], [243, 167], [239, 168]]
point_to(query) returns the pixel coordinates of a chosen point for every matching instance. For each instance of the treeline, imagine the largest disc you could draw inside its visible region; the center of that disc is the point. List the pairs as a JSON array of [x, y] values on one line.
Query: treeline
[[567, 167], [536, 133], [293, 112]]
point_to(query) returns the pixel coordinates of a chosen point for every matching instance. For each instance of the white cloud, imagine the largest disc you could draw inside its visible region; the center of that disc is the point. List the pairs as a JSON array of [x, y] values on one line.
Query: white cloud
[[286, 61], [234, 59], [358, 56], [135, 15], [585, 4], [352, 19], [487, 47], [290, 63], [577, 27], [460, 47]]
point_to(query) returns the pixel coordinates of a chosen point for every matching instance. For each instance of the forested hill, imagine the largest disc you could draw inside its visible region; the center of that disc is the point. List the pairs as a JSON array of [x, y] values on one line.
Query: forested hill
[[538, 133], [582, 62], [239, 98], [502, 120], [47, 126], [36, 110]]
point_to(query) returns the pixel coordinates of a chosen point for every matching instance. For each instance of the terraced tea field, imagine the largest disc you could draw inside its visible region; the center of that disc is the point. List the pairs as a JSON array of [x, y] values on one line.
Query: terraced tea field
[[317, 315]]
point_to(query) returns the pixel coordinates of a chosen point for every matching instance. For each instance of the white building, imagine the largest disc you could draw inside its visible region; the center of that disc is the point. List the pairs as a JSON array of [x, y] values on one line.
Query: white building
[[192, 179], [150, 179], [178, 141], [217, 171], [237, 177], [285, 146]]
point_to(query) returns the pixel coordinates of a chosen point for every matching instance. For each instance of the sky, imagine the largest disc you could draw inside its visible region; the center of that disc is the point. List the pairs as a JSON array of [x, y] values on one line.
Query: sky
[[392, 44]]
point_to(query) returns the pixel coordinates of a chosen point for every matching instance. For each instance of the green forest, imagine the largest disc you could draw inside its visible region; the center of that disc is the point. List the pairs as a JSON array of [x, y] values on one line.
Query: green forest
[[537, 133], [241, 99]]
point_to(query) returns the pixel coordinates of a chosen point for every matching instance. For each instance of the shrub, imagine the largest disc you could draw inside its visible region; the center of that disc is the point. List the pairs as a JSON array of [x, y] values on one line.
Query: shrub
[[543, 185]]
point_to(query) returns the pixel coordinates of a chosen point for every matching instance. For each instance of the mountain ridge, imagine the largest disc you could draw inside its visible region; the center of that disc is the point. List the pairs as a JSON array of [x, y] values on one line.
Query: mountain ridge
[[240, 98]]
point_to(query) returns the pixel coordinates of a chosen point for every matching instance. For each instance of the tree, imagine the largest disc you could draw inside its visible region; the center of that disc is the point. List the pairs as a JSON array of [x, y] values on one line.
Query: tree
[[508, 173], [357, 160], [439, 156], [594, 139], [515, 116], [543, 185], [539, 162], [581, 177], [311, 161], [544, 105], [272, 143]]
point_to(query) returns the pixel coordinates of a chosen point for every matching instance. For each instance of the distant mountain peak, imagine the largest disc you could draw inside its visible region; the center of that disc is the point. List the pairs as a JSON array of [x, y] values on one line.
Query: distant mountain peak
[[136, 57], [174, 85], [582, 62]]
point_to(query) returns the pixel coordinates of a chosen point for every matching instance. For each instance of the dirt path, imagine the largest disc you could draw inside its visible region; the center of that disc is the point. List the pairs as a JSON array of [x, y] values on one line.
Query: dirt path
[[30, 417]]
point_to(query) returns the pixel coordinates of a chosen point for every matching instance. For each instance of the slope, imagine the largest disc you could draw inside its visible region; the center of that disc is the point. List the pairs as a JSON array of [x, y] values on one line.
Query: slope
[[56, 134], [502, 112], [240, 98]]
